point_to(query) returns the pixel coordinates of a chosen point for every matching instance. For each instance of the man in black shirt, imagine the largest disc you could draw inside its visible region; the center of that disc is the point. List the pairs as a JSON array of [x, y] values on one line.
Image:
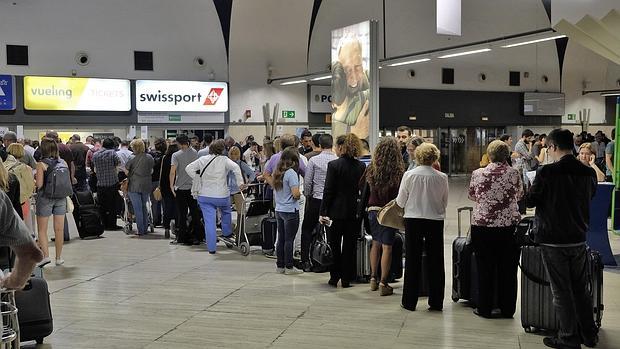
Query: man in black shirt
[[562, 217], [79, 151], [306, 142]]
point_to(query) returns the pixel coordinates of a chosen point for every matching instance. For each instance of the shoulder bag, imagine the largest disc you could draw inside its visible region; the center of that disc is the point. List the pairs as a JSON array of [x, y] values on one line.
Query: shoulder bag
[[320, 251], [391, 215], [197, 182]]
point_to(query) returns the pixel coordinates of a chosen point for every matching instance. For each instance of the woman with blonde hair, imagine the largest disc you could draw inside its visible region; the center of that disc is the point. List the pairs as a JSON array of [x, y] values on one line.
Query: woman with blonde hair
[[383, 177], [10, 185], [338, 207], [23, 173], [587, 156], [423, 194], [139, 170]]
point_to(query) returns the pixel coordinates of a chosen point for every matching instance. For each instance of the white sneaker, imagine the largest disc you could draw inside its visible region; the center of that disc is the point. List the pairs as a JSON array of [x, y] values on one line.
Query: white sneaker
[[45, 261], [293, 271], [60, 261], [280, 270]]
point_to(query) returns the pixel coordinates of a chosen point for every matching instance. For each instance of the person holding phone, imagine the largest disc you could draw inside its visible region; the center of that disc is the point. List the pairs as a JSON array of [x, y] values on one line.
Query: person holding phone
[[587, 156]]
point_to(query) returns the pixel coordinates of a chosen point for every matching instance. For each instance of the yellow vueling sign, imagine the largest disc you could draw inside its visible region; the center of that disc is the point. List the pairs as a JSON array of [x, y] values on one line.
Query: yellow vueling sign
[[80, 94]]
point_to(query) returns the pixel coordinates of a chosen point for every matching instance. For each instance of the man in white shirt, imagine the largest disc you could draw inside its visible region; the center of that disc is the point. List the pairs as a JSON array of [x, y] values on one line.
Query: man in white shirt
[[250, 156], [28, 147], [124, 154]]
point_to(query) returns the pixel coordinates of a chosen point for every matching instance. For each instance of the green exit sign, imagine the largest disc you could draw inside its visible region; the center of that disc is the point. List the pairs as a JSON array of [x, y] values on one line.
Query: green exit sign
[[288, 114], [572, 116], [173, 117]]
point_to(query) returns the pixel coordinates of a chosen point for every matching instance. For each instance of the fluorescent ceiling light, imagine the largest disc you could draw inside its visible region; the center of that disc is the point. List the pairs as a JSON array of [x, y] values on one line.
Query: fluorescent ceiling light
[[322, 78], [303, 81], [534, 41], [610, 94], [409, 62], [465, 53]]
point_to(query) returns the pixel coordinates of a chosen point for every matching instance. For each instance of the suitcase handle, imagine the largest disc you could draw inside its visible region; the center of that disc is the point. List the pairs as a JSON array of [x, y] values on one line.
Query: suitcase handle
[[459, 210]]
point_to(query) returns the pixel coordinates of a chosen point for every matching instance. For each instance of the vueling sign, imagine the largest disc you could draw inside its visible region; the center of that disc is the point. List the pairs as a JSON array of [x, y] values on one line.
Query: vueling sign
[[81, 94]]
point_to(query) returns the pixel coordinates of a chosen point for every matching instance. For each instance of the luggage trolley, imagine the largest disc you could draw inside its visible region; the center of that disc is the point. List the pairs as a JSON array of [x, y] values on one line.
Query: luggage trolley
[[128, 215], [254, 209]]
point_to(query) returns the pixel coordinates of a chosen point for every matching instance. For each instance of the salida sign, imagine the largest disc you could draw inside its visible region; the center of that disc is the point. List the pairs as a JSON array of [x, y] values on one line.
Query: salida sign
[[194, 96]]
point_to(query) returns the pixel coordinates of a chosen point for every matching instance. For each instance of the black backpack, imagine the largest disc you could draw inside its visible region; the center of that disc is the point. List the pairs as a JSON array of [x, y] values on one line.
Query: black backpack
[[57, 180]]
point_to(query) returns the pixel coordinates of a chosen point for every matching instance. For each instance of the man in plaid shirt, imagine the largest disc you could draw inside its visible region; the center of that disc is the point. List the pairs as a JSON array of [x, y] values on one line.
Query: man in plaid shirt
[[106, 164]]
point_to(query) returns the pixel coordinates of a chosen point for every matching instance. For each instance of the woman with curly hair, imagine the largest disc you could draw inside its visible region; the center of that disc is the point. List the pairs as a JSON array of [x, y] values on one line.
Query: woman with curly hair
[[287, 194], [339, 205], [383, 176]]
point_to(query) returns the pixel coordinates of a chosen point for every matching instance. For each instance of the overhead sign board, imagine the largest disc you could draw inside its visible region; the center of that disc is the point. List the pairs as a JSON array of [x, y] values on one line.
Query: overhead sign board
[[80, 94], [7, 92], [180, 118], [190, 96], [320, 99]]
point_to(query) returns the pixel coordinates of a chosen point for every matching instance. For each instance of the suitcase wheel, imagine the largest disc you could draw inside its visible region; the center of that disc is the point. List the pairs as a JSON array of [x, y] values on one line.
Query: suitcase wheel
[[528, 329], [229, 245], [39, 340], [456, 299], [244, 247]]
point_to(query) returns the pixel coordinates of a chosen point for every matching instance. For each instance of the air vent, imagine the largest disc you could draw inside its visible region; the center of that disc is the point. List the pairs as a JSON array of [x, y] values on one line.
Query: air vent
[[143, 60]]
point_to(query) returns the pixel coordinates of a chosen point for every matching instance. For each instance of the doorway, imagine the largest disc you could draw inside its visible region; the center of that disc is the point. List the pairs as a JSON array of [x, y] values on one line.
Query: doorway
[[462, 148]]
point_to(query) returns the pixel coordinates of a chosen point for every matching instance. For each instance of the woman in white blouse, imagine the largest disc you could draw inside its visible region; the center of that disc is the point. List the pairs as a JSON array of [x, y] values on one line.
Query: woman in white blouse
[[423, 194], [212, 172]]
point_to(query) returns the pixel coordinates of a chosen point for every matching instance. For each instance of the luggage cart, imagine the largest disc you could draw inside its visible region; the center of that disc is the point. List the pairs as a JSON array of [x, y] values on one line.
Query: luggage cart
[[128, 216], [254, 209]]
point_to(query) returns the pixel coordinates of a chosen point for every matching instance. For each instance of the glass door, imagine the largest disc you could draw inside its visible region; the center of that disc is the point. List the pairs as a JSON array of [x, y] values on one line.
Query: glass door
[[453, 150]]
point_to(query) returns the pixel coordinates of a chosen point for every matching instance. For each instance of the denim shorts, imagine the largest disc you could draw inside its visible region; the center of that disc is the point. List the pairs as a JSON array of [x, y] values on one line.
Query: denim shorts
[[47, 207], [380, 233]]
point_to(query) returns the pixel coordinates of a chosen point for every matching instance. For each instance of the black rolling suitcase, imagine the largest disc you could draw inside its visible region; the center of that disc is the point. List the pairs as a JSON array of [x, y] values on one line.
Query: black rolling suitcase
[[35, 312], [462, 256], [537, 310], [269, 230], [86, 215]]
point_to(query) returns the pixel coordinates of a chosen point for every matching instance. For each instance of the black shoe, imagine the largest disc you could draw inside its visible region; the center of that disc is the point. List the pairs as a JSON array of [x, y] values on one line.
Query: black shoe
[[407, 308], [591, 342], [196, 242], [173, 242], [483, 315], [435, 309], [345, 284], [333, 282], [554, 342], [307, 267], [211, 252]]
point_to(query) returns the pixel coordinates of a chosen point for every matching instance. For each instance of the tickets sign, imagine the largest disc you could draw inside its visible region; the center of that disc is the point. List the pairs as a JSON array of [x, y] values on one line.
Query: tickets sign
[[80, 94], [190, 96]]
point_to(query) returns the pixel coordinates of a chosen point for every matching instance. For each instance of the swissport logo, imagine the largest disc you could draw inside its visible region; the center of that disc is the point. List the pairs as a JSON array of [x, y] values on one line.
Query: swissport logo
[[213, 96]]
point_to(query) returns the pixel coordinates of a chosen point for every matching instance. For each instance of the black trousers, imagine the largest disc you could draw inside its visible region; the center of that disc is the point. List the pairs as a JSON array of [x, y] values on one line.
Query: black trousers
[[342, 237], [497, 258], [186, 202], [424, 234], [311, 219], [108, 199], [568, 273], [170, 208]]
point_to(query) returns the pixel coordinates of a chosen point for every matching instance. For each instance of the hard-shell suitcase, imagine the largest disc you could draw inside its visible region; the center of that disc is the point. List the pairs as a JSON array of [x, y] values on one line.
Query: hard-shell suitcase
[[269, 230], [362, 255], [537, 310], [462, 256], [35, 312]]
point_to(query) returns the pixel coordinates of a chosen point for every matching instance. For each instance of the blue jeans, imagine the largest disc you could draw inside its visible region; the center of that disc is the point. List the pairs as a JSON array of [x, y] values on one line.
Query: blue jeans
[[138, 201], [209, 208], [288, 223]]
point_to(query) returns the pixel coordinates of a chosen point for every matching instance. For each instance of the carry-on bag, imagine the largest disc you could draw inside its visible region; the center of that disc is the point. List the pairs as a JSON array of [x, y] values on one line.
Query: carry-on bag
[[269, 230], [320, 251], [537, 310], [462, 256], [362, 256], [35, 312], [86, 214]]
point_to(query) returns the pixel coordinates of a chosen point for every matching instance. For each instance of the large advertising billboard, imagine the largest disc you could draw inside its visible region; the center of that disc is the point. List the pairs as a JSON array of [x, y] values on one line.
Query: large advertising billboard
[[190, 96], [76, 94], [350, 57]]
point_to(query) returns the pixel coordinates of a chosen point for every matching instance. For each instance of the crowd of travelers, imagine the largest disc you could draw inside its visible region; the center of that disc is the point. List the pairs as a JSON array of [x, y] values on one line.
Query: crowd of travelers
[[318, 180]]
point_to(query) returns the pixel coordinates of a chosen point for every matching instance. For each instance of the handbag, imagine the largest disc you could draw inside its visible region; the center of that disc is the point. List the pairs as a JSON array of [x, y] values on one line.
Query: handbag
[[320, 251], [157, 194], [391, 215]]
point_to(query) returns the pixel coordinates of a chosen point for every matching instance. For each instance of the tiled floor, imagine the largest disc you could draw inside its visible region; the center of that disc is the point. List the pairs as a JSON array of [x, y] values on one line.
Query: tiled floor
[[122, 292]]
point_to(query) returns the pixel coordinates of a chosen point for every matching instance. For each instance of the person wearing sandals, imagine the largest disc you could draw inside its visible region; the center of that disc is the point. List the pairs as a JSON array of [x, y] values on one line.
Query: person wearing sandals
[[287, 194], [139, 170], [383, 177], [423, 194]]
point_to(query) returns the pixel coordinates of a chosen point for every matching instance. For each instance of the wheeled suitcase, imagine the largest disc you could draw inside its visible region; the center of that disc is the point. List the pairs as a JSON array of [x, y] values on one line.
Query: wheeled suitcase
[[87, 216], [269, 230], [462, 256], [362, 256], [537, 310], [35, 312]]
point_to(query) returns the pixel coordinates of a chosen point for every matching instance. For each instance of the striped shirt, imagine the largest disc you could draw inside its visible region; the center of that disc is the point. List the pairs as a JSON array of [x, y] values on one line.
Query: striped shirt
[[314, 181]]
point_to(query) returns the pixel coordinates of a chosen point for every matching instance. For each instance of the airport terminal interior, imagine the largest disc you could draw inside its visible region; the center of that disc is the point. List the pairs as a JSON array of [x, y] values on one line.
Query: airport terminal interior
[[92, 91]]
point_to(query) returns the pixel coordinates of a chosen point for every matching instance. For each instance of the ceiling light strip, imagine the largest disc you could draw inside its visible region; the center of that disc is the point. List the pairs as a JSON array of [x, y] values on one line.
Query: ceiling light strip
[[458, 54], [534, 41], [409, 62], [302, 81]]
